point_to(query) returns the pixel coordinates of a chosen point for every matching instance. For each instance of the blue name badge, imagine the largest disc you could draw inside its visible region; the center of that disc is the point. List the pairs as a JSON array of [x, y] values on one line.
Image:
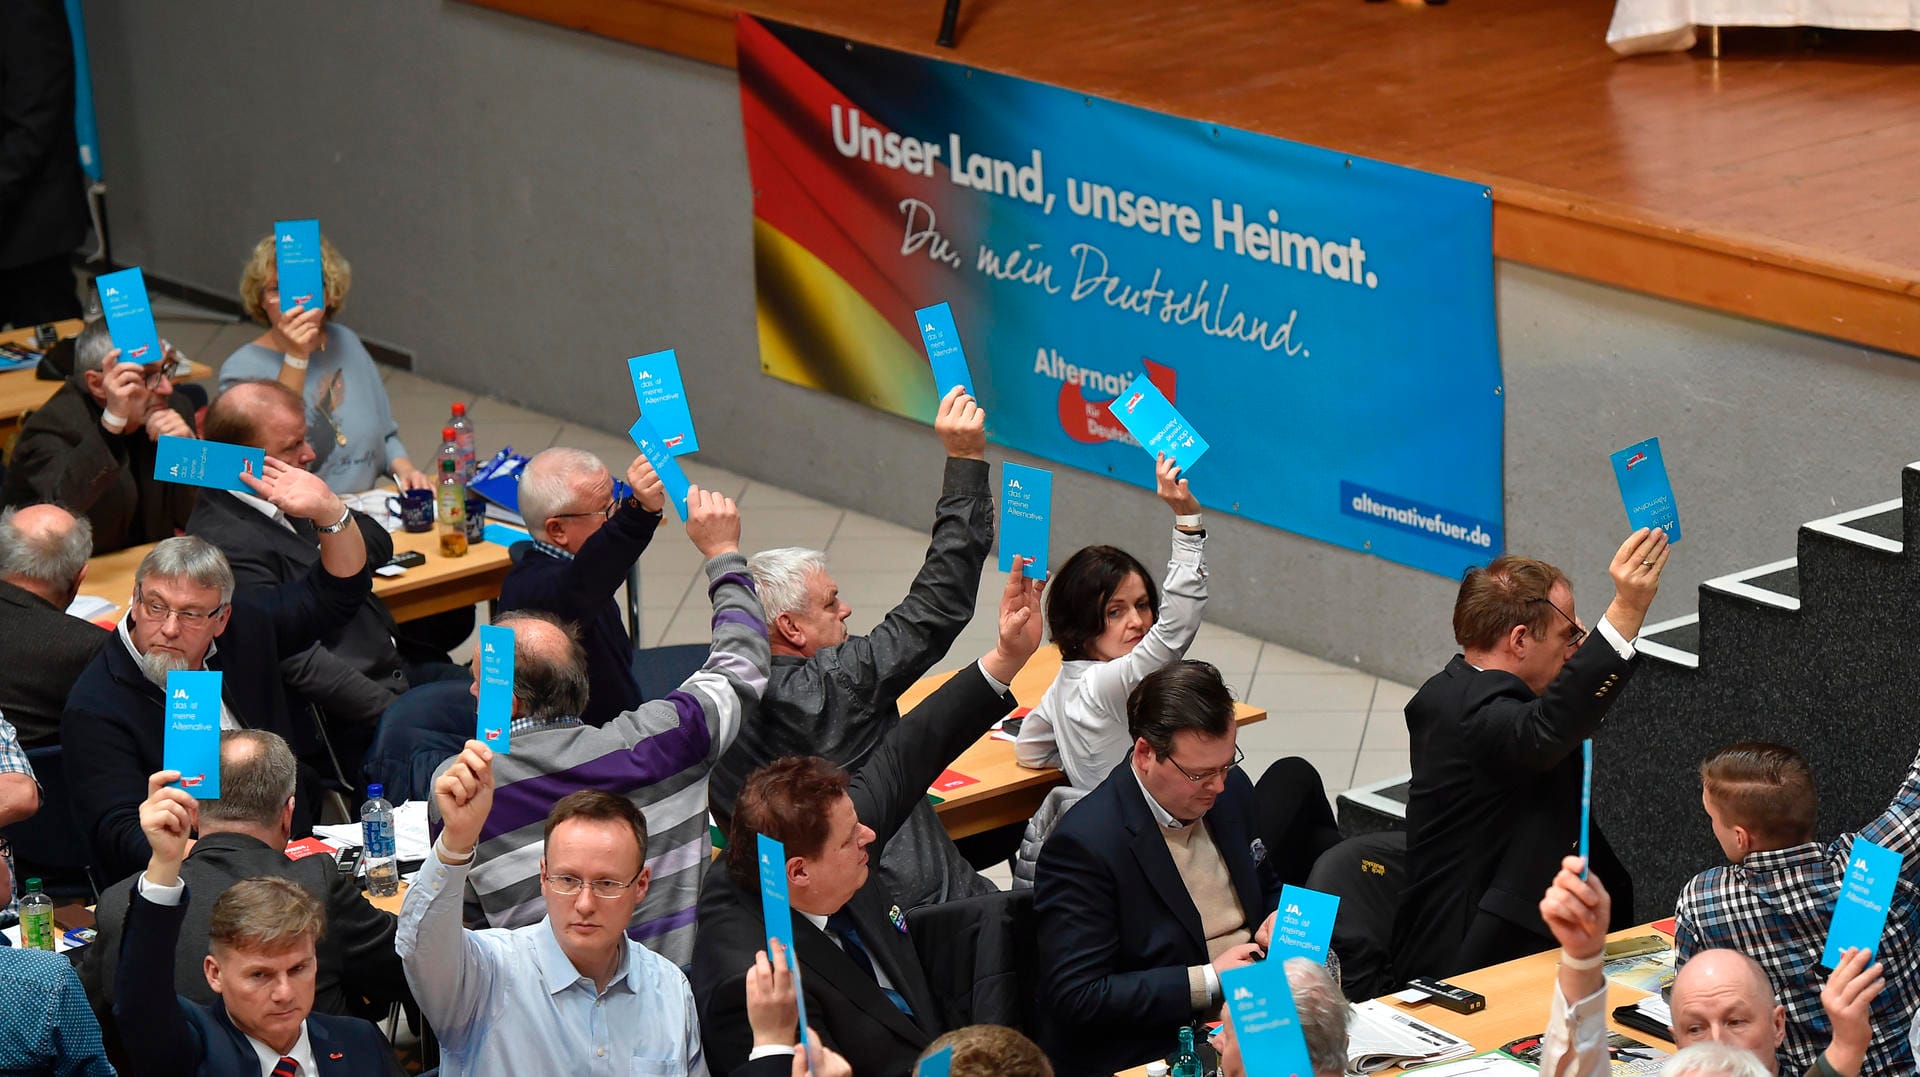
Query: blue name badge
[[663, 400], [949, 359], [1266, 1023], [1304, 923], [1026, 508], [1860, 914], [1157, 425], [215, 465], [778, 915], [654, 447], [123, 302], [937, 1064], [296, 259], [191, 744], [495, 715], [1645, 489]]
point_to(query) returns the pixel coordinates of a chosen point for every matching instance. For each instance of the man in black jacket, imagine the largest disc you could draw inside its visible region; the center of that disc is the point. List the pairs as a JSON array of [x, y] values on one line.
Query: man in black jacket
[[243, 835], [43, 205], [351, 674], [1495, 746], [91, 447], [1153, 884], [184, 602], [867, 995], [43, 558]]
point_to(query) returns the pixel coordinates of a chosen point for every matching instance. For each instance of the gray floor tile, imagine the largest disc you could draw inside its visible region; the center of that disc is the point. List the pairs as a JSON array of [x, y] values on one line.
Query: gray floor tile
[[1291, 732], [1372, 766], [1277, 659], [858, 525], [1235, 655], [1346, 691], [762, 495]]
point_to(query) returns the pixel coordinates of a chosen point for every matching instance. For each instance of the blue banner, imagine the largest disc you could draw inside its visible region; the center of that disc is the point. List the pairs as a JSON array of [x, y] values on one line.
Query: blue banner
[[1327, 321]]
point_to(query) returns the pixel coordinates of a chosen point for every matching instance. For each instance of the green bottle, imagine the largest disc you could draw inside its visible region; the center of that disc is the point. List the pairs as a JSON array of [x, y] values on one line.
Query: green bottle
[[36, 918], [1186, 1063]]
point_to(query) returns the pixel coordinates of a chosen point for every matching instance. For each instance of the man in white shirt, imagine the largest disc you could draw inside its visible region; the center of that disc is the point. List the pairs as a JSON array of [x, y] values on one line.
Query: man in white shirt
[[261, 961]]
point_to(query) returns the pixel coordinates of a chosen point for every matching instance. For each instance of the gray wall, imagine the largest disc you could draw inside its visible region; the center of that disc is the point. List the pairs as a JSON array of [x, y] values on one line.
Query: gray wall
[[524, 206]]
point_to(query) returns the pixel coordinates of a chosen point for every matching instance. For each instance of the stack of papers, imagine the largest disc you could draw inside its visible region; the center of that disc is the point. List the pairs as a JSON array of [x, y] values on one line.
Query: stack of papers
[[1379, 1036], [410, 841], [89, 607]]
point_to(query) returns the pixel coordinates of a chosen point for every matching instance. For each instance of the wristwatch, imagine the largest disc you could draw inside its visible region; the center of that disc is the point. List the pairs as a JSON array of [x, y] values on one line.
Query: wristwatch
[[346, 517]]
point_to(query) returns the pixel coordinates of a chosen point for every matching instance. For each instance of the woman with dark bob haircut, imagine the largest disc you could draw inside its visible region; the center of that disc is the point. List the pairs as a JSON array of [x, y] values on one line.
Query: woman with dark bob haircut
[[1108, 620]]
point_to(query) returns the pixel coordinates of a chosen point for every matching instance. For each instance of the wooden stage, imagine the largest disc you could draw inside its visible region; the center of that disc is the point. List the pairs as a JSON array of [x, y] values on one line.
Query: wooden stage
[[1778, 182]]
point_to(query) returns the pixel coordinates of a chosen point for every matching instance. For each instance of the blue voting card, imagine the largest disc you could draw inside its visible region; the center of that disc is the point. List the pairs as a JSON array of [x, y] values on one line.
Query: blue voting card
[[664, 465], [1586, 801], [296, 258], [191, 744], [1860, 913], [1026, 509], [1304, 924], [215, 465], [949, 359], [1645, 489], [1265, 1021], [937, 1064], [495, 716], [662, 397], [1157, 425], [778, 915], [123, 302]]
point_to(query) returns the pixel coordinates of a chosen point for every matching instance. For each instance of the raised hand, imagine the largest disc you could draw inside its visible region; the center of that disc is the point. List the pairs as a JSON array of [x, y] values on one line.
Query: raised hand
[[647, 486], [1848, 999], [1172, 487], [772, 1008], [301, 329], [464, 795], [1019, 623], [1577, 910], [713, 522], [167, 818], [296, 492], [125, 385], [1636, 572], [962, 426]]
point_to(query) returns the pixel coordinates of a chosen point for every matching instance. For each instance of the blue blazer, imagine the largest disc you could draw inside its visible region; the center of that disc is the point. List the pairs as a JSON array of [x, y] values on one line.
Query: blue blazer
[[1117, 929], [169, 1036]]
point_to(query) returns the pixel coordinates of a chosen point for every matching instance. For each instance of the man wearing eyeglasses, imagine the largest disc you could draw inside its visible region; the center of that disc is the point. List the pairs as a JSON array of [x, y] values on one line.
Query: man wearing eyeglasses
[[569, 994], [187, 615], [584, 541], [1153, 884], [91, 446], [1495, 746]]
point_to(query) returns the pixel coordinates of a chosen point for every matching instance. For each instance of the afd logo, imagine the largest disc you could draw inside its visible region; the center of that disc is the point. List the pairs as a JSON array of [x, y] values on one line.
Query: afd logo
[[493, 734], [303, 300], [1134, 401], [189, 783], [1636, 459], [675, 440], [140, 351]]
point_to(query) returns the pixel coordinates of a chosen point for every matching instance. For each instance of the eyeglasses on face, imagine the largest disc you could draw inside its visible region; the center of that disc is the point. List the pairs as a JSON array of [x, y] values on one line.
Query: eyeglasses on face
[[604, 889], [613, 504], [1209, 775], [1579, 633], [159, 612]]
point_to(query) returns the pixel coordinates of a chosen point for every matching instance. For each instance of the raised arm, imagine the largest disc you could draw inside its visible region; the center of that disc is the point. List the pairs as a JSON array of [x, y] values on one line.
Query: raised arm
[[450, 969], [600, 566], [1577, 911], [144, 1005]]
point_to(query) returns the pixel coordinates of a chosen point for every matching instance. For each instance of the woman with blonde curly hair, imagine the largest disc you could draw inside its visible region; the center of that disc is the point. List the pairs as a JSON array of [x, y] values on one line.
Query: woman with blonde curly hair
[[349, 420]]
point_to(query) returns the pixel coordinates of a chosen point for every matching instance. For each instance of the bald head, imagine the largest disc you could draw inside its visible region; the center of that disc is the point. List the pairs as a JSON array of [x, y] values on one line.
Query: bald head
[[1724, 996], [44, 549], [264, 415], [549, 666]]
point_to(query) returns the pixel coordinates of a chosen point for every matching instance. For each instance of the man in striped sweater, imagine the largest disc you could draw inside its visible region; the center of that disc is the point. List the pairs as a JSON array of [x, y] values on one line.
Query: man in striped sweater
[[657, 755]]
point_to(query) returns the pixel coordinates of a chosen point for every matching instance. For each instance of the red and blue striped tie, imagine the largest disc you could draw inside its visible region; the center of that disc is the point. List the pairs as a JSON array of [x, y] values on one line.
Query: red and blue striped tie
[[287, 1068]]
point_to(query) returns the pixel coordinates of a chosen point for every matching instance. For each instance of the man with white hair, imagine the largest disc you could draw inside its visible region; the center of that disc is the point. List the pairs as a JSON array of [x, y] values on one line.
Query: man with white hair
[[1323, 1023], [836, 695], [183, 604], [91, 446], [43, 558], [584, 541]]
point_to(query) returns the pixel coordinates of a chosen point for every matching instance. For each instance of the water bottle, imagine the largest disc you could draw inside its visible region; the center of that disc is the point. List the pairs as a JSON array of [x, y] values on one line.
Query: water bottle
[[451, 510], [376, 832], [36, 918], [1185, 1062], [462, 428]]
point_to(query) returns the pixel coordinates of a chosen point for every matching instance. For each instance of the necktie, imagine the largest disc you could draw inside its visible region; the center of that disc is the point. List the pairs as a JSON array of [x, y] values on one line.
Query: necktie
[[841, 924], [287, 1068]]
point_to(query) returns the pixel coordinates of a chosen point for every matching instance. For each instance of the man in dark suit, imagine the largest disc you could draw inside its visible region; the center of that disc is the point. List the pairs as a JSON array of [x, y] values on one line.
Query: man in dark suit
[[1153, 884], [243, 835], [91, 446], [43, 558], [351, 674], [261, 960], [184, 602], [43, 205], [1495, 746], [867, 995]]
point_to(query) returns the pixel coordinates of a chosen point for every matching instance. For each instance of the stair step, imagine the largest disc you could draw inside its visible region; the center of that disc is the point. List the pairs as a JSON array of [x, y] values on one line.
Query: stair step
[[1380, 805], [1776, 584], [1676, 641], [1879, 527]]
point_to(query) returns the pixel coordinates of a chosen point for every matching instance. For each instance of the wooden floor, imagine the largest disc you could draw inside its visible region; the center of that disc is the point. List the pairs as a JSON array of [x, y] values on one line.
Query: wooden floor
[[1781, 181]]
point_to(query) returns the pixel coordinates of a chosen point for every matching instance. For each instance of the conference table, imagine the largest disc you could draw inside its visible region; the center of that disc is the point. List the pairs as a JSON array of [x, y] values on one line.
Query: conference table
[[443, 583]]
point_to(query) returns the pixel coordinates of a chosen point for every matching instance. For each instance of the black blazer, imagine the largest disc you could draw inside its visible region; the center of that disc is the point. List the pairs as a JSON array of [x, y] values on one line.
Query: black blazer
[[176, 1038], [1117, 928], [43, 650], [43, 205], [1494, 805], [354, 671], [114, 728], [845, 1006], [357, 958], [65, 457]]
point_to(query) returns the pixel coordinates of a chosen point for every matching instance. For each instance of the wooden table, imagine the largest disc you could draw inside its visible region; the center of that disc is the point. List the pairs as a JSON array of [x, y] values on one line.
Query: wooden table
[[443, 583], [21, 393], [1007, 792]]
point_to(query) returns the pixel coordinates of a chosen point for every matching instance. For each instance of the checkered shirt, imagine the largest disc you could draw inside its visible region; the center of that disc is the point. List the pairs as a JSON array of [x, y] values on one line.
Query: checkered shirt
[[13, 760], [1777, 905]]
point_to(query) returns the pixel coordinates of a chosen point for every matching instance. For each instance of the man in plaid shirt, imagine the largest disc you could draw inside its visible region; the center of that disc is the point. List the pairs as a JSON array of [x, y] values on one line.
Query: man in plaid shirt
[[1775, 901]]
